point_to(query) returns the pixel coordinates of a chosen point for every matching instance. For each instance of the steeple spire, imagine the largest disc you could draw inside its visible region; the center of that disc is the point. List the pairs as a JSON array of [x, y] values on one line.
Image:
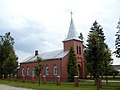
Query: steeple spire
[[71, 14], [72, 33]]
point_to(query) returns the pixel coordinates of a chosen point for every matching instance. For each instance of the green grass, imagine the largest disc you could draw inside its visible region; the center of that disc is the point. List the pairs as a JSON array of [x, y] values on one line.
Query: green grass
[[63, 86]]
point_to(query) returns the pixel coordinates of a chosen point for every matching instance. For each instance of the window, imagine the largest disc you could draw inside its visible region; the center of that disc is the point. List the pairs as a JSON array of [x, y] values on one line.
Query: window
[[28, 71], [22, 71], [79, 50], [33, 71], [47, 70], [55, 70]]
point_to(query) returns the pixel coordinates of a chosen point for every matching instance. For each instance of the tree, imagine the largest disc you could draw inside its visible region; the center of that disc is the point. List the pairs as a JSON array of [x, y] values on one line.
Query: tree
[[38, 68], [71, 65], [97, 52], [117, 42], [8, 59], [91, 54], [10, 64], [81, 36], [107, 61]]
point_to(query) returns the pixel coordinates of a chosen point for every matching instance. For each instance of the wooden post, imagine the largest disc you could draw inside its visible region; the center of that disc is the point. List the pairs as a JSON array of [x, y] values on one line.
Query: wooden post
[[58, 81], [8, 77], [76, 81], [99, 83], [15, 78], [3, 77], [44, 79], [33, 79], [23, 78]]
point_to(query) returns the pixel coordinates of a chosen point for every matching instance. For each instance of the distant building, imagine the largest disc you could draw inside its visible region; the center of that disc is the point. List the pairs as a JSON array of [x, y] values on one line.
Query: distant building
[[55, 62], [117, 67]]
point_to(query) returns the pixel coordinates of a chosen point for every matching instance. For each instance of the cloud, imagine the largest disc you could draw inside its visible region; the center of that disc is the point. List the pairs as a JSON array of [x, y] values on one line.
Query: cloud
[[43, 24], [29, 35]]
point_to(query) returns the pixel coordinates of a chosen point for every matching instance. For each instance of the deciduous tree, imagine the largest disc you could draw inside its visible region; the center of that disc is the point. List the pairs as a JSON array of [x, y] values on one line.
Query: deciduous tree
[[8, 58], [38, 68]]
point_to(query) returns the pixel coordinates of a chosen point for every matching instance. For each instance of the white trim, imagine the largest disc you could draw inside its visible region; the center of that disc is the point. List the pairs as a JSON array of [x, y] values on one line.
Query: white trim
[[28, 71], [55, 70], [23, 71], [47, 70], [33, 71]]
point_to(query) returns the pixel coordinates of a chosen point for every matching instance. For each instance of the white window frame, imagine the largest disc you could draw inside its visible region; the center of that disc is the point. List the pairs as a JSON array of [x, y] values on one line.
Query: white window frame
[[47, 70], [55, 70], [28, 71], [33, 71], [23, 71]]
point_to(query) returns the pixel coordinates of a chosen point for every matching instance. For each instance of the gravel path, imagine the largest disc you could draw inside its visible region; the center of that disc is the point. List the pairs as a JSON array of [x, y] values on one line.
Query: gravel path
[[7, 87]]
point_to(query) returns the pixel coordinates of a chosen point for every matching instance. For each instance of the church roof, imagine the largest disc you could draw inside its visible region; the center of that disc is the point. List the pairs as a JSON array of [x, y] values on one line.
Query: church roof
[[57, 54], [72, 33]]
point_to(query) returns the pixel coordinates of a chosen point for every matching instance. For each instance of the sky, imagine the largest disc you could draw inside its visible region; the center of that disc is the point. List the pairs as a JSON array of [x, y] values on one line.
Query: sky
[[43, 24]]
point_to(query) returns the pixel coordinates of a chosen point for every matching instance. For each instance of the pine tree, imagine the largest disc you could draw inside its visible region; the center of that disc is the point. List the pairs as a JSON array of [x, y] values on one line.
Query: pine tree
[[91, 54], [71, 65], [8, 59], [107, 61], [117, 42], [81, 36], [96, 52]]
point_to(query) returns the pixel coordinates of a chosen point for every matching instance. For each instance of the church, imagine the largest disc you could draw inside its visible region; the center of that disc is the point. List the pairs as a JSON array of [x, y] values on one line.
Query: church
[[55, 62]]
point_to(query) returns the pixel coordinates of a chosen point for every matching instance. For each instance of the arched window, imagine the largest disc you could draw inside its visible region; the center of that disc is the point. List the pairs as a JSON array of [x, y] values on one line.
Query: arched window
[[28, 71], [79, 50], [47, 70], [33, 71], [22, 71], [55, 70]]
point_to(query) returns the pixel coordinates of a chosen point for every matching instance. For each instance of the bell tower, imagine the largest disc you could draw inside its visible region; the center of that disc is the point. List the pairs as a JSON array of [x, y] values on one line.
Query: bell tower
[[72, 40]]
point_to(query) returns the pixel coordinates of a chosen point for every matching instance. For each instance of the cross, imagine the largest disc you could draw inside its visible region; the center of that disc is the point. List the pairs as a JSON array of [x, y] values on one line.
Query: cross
[[71, 13]]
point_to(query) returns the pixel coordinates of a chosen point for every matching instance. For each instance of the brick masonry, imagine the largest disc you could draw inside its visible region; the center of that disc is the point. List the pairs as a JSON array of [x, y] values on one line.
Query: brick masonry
[[60, 63]]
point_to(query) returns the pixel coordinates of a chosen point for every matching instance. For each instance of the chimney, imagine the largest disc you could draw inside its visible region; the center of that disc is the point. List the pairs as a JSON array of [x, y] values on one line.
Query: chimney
[[36, 52]]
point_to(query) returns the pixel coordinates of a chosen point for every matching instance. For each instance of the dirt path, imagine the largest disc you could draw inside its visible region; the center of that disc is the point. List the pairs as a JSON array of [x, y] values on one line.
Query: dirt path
[[7, 87]]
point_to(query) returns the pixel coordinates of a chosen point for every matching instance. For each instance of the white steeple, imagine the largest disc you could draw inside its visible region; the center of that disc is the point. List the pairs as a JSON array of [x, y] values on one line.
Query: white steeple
[[72, 33]]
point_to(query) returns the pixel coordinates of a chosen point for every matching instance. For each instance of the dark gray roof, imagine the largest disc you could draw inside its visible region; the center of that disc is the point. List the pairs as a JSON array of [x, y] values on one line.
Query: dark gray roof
[[47, 56]]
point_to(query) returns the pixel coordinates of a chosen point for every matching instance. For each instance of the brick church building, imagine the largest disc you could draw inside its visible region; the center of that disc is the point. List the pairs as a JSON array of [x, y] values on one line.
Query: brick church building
[[55, 62]]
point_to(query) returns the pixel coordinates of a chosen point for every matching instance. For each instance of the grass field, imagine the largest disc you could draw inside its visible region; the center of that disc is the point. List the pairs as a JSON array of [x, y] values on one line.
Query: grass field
[[64, 85]]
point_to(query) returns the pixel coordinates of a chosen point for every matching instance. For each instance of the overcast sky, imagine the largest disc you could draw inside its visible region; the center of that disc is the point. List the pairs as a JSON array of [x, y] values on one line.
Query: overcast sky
[[43, 24]]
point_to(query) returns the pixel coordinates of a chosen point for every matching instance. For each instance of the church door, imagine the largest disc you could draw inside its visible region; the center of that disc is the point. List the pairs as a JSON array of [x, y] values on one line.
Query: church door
[[79, 71]]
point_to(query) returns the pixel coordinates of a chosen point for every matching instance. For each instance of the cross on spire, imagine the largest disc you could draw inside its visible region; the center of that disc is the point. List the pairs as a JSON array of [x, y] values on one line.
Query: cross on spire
[[71, 14]]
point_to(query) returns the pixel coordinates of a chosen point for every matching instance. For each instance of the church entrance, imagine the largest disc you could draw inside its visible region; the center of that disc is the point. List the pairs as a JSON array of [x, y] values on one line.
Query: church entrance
[[79, 71]]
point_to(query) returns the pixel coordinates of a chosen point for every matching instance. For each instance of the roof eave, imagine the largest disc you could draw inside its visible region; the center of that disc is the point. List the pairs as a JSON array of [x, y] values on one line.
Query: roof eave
[[72, 39]]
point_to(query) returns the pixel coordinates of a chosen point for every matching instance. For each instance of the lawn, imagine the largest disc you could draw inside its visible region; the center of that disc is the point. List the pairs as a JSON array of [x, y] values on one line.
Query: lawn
[[63, 86]]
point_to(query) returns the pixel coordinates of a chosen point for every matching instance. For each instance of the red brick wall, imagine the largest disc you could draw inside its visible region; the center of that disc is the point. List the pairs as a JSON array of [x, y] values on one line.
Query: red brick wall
[[50, 64], [61, 68], [25, 66], [74, 44], [64, 67], [60, 63], [79, 54]]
